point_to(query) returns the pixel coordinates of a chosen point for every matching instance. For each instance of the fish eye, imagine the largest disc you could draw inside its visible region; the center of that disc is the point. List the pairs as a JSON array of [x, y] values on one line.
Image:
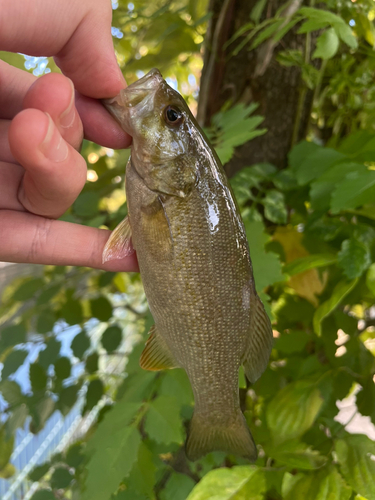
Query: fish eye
[[173, 115]]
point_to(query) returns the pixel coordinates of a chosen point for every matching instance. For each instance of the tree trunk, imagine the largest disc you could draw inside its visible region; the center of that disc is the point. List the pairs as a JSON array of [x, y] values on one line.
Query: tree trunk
[[254, 76]]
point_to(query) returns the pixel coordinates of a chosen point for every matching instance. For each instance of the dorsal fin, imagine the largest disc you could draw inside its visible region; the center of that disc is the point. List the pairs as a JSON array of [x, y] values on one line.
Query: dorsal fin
[[260, 342], [156, 355]]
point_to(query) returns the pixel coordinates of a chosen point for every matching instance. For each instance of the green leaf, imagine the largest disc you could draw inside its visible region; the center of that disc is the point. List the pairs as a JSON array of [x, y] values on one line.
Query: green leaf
[[297, 455], [87, 204], [370, 279], [94, 393], [326, 484], [38, 377], [72, 312], [39, 471], [163, 422], [176, 382], [63, 367], [101, 308], [346, 34], [40, 410], [357, 189], [75, 455], [275, 209], [113, 448], [358, 468], [50, 353], [68, 397], [366, 399], [111, 338], [80, 344], [354, 258], [266, 265], [293, 410], [339, 293], [257, 10], [294, 341], [238, 483], [45, 322], [11, 392], [12, 362], [313, 161], [326, 45], [309, 262], [43, 495], [142, 476], [12, 335], [28, 289], [92, 363], [178, 487], [61, 478], [6, 448]]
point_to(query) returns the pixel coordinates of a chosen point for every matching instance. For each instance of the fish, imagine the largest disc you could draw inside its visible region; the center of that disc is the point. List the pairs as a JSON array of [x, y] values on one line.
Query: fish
[[194, 260]]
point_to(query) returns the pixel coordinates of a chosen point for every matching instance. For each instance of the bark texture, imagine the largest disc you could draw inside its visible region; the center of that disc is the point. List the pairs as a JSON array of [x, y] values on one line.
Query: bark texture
[[254, 76]]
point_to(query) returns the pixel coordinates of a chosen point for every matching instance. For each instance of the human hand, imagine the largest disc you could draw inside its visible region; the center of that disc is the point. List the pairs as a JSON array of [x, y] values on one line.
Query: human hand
[[41, 171]]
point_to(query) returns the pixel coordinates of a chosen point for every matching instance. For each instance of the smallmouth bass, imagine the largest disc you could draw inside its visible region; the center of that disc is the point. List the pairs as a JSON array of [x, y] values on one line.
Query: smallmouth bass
[[194, 260]]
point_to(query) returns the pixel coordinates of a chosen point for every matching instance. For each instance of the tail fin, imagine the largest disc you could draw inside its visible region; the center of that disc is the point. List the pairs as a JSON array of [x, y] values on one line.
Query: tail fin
[[205, 437]]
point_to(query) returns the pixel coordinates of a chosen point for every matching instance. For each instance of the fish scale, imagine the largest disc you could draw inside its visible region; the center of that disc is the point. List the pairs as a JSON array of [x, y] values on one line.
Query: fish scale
[[194, 262]]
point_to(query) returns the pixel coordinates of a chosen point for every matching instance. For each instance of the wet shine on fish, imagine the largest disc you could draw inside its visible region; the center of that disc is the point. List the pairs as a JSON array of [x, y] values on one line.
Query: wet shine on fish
[[194, 261]]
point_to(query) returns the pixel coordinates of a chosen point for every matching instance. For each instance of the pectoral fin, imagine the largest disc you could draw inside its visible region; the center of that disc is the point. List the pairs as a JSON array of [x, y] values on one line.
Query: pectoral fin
[[156, 354], [260, 342], [119, 244]]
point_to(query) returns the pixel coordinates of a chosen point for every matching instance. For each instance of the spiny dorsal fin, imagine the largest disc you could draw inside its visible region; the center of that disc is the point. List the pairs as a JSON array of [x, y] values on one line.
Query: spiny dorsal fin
[[119, 244], [260, 342], [156, 355]]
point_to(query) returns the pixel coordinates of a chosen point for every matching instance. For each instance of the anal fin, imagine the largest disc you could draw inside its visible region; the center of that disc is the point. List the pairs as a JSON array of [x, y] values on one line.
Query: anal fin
[[119, 244], [156, 355], [260, 342]]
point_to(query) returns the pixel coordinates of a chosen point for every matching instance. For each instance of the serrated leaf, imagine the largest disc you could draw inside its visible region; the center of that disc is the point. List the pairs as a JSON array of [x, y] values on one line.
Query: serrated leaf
[[6, 447], [75, 455], [354, 258], [80, 344], [313, 161], [11, 392], [357, 189], [176, 382], [345, 32], [38, 377], [326, 45], [12, 362], [356, 464], [101, 308], [67, 398], [178, 487], [293, 410], [40, 410], [163, 422], [339, 292], [326, 484], [142, 475], [111, 338], [113, 448], [266, 265], [12, 335], [274, 205], [238, 483], [61, 478], [298, 455], [309, 262]]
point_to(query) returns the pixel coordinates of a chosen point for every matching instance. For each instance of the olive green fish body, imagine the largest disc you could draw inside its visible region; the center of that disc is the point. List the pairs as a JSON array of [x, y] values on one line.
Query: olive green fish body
[[196, 271]]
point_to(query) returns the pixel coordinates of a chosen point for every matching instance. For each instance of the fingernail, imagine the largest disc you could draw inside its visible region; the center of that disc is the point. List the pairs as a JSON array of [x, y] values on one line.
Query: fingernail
[[66, 118], [53, 146]]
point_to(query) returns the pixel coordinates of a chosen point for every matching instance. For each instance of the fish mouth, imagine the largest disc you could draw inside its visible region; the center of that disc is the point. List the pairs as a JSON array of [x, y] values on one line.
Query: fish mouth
[[137, 99]]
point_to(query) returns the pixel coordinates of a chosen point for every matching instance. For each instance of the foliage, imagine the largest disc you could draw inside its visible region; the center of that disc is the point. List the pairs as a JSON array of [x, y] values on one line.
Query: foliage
[[311, 229]]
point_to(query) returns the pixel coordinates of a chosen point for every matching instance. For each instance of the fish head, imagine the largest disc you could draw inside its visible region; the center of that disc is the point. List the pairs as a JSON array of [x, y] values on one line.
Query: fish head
[[157, 118]]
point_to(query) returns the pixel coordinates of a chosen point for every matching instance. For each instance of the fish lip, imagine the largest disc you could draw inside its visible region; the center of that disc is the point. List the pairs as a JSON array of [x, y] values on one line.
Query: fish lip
[[138, 95]]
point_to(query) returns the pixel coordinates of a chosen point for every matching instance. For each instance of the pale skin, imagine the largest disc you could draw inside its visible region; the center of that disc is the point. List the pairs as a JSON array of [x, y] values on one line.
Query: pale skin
[[42, 124]]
